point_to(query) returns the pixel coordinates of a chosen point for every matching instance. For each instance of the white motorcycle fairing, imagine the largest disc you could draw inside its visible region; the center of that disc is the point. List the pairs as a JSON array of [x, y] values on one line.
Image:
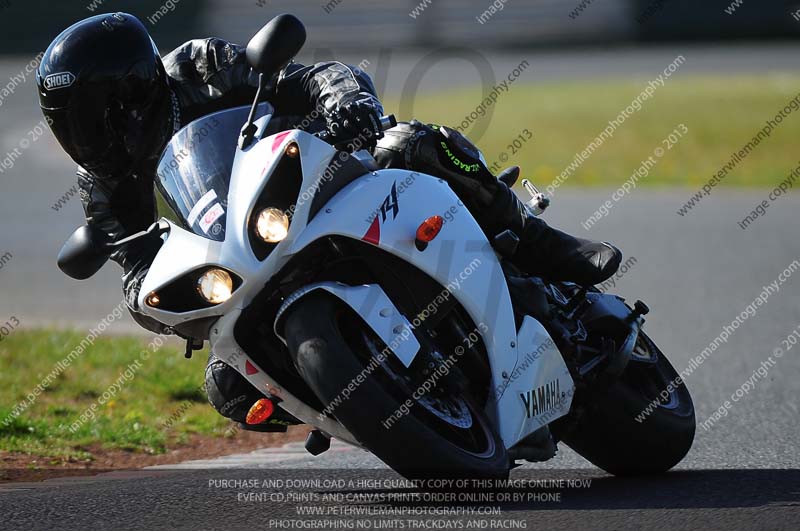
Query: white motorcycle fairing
[[374, 307], [531, 382]]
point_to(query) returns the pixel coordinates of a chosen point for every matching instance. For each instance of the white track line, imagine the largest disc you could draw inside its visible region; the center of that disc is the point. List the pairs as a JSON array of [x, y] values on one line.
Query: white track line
[[257, 459]]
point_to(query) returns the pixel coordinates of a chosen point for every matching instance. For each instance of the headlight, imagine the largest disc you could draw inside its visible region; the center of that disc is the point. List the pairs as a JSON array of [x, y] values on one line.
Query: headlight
[[215, 286], [272, 225]]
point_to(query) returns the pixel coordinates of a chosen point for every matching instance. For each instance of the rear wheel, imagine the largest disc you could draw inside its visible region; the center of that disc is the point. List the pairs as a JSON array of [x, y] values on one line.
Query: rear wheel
[[439, 434], [644, 423]]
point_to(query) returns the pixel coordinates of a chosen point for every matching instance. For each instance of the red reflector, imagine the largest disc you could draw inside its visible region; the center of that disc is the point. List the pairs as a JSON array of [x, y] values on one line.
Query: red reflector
[[430, 228], [260, 411]]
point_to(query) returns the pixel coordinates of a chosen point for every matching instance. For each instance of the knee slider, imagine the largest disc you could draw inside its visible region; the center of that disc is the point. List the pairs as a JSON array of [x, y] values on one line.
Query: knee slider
[[228, 391]]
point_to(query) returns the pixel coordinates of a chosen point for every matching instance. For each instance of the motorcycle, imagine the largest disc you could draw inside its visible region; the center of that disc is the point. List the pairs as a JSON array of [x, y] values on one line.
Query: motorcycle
[[370, 305]]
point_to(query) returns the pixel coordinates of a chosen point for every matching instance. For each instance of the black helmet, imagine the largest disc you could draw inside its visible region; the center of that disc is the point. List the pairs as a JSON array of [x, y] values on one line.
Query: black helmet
[[105, 92]]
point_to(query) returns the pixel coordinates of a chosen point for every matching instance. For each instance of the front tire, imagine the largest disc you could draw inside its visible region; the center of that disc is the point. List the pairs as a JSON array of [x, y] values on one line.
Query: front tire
[[329, 359], [626, 430]]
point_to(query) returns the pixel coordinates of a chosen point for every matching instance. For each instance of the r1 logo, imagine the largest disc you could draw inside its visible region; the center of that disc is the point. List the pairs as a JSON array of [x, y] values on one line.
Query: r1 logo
[[390, 203]]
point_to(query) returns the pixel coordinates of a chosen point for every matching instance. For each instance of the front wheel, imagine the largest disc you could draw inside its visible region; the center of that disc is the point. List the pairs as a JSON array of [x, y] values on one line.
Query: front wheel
[[643, 424], [437, 435]]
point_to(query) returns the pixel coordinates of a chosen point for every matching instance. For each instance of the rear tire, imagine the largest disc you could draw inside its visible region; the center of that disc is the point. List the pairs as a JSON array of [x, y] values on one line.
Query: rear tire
[[411, 446], [609, 434]]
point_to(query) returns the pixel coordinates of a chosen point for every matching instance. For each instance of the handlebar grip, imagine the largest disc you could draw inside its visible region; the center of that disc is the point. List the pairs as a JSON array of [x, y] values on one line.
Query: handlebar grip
[[387, 122]]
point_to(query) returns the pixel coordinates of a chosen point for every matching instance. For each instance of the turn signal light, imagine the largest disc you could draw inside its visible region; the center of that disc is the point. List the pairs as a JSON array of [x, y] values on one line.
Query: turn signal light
[[292, 151], [260, 411], [153, 300], [427, 231]]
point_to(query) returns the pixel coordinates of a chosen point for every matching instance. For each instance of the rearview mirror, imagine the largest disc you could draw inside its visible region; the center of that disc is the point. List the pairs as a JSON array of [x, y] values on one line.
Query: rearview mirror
[[83, 254], [276, 44]]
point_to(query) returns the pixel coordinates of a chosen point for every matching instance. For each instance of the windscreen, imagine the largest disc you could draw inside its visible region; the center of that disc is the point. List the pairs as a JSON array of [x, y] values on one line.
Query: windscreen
[[194, 172]]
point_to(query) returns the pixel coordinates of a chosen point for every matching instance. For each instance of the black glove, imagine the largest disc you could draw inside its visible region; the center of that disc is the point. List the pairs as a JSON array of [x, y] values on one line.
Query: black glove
[[358, 122]]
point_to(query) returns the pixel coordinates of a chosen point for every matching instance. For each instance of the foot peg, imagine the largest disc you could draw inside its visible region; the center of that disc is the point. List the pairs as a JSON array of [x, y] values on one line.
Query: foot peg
[[537, 447], [639, 309], [317, 442]]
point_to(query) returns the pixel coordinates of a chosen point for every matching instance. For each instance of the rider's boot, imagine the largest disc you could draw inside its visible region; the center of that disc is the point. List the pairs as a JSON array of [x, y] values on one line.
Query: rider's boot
[[542, 250]]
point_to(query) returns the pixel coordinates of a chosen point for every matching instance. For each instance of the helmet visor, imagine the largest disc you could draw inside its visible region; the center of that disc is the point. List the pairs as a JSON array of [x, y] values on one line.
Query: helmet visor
[[85, 132], [109, 136]]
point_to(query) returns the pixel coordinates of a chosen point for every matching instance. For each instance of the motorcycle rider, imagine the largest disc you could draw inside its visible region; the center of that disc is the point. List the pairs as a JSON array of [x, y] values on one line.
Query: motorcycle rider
[[113, 104]]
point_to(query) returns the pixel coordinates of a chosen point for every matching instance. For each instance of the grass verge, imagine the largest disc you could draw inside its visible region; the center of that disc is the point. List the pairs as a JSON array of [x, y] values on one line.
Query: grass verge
[[722, 114], [161, 406]]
